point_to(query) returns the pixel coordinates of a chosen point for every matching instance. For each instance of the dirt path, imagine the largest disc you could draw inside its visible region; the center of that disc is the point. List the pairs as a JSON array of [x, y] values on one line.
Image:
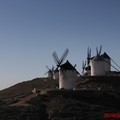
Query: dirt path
[[24, 101]]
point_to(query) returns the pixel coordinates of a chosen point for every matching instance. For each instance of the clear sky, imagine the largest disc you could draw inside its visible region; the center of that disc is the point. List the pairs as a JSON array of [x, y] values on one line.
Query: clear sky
[[30, 30]]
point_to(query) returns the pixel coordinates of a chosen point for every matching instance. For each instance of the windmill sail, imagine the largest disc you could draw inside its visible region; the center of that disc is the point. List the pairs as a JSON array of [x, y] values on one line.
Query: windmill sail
[[62, 58]]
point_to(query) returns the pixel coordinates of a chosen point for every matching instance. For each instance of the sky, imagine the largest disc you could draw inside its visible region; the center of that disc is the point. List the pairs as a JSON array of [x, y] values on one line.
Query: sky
[[31, 30]]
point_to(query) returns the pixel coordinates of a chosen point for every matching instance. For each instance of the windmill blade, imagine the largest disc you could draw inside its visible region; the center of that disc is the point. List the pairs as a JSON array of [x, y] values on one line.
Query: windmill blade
[[100, 50], [55, 70], [88, 55], [97, 51], [47, 67], [52, 68], [88, 52], [55, 57], [75, 65], [64, 56], [83, 65], [46, 73]]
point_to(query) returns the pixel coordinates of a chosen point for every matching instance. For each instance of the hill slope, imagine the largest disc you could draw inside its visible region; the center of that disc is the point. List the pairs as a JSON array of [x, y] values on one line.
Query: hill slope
[[27, 86], [94, 97], [87, 83]]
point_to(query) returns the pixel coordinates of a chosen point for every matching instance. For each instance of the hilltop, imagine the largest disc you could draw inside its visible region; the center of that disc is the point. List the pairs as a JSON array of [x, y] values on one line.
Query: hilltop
[[83, 83], [93, 97]]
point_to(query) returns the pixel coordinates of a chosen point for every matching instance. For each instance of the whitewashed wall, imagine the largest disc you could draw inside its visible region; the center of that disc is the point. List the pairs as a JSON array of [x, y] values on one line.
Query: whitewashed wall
[[97, 68], [107, 64], [67, 79]]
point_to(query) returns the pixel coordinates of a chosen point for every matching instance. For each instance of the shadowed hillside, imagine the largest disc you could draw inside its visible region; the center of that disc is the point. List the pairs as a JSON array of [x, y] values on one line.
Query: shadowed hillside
[[93, 97], [99, 83], [27, 86], [87, 83]]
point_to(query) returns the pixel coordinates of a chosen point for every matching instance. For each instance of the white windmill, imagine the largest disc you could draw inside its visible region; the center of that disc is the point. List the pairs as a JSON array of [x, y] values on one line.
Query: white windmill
[[97, 64], [50, 71], [107, 61], [67, 73]]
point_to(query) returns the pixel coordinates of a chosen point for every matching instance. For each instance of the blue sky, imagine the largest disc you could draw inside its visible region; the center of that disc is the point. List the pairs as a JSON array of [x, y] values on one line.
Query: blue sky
[[30, 30]]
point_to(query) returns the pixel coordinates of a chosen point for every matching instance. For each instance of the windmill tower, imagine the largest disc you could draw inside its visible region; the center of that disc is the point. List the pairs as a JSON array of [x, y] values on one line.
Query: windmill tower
[[67, 76], [50, 71], [107, 61], [97, 64], [67, 73]]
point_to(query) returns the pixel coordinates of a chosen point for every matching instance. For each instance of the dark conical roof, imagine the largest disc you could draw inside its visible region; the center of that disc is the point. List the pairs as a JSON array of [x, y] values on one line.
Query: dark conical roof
[[67, 66], [105, 55], [96, 58]]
